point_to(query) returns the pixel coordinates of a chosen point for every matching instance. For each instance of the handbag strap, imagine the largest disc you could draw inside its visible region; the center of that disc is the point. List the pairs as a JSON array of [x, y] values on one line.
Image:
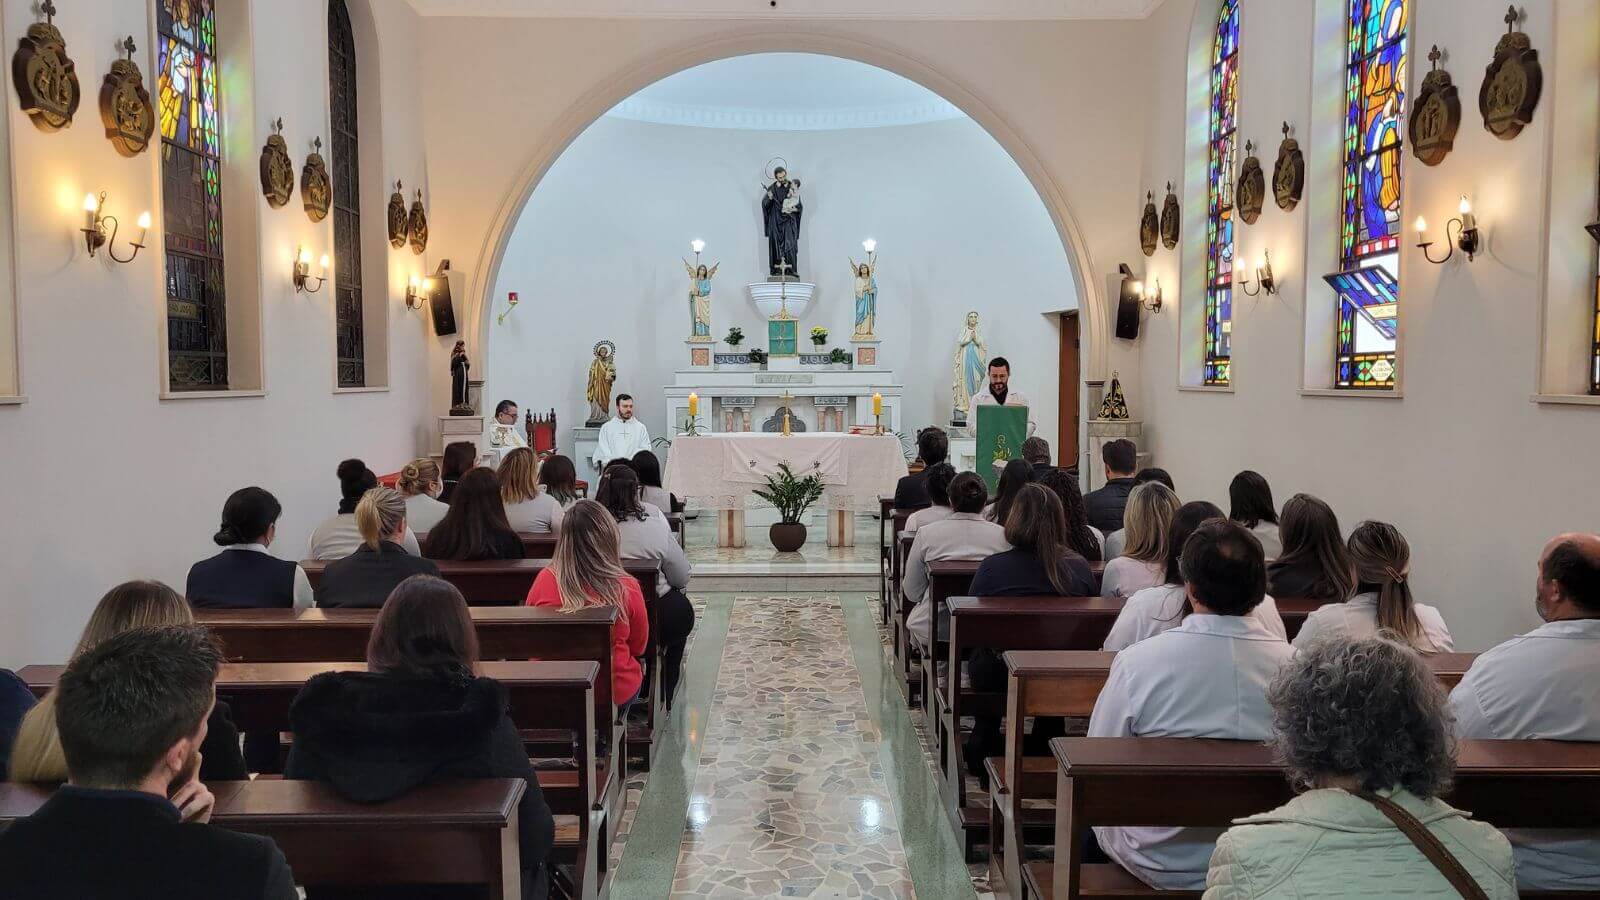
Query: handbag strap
[[1431, 847]]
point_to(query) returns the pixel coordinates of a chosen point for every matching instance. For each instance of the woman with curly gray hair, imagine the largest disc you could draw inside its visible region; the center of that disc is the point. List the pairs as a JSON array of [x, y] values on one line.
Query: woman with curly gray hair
[[1363, 729]]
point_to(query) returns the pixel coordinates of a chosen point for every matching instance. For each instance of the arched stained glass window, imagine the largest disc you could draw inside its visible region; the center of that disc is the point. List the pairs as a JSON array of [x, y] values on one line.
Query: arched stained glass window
[[1368, 280], [191, 191], [350, 339], [1223, 154]]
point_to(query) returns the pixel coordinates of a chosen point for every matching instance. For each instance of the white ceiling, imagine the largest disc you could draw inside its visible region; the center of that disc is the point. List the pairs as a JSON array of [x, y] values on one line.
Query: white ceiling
[[786, 92], [823, 9]]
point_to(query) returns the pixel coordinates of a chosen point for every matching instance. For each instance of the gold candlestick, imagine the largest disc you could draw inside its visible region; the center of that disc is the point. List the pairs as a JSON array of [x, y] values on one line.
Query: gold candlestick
[[786, 400]]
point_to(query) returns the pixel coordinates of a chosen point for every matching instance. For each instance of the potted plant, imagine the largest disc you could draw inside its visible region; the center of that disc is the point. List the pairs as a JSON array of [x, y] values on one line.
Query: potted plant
[[734, 338], [758, 356], [792, 496], [839, 356], [819, 336]]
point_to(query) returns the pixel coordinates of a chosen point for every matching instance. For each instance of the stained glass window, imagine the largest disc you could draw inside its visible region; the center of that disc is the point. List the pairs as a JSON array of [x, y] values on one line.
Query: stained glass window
[[349, 335], [191, 189], [1223, 153], [1369, 242]]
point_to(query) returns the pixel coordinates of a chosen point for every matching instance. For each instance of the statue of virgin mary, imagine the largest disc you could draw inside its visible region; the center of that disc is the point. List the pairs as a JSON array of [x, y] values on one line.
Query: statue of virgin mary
[[970, 365]]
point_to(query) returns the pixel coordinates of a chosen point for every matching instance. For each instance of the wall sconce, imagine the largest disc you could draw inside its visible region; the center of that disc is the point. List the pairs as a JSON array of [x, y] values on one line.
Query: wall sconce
[[1594, 230], [94, 230], [1150, 298], [1264, 278], [416, 289], [1467, 234], [302, 272]]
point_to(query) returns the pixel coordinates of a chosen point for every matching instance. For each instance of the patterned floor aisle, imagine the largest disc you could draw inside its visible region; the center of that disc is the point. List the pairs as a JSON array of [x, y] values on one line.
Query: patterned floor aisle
[[790, 798]]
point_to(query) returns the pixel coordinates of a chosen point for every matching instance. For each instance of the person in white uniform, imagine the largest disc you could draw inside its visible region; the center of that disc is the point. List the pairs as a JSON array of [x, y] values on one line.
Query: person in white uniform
[[1383, 601], [963, 534], [1542, 686], [938, 481], [1000, 393], [622, 436], [1142, 561], [1250, 504], [1207, 678], [503, 432], [1164, 607]]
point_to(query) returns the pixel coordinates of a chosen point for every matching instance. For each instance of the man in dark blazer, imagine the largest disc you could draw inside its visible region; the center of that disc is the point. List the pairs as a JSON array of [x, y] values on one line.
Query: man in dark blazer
[[933, 447], [131, 822], [1106, 506]]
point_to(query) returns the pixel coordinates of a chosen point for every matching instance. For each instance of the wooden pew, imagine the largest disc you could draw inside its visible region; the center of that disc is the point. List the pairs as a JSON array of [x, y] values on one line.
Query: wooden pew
[[1204, 783], [1066, 683], [885, 515], [501, 582], [555, 698], [907, 659], [999, 624], [452, 832], [541, 545]]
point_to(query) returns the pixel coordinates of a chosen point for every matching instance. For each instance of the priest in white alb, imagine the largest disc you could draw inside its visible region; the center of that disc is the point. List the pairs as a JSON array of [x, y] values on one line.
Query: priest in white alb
[[1000, 393], [622, 436]]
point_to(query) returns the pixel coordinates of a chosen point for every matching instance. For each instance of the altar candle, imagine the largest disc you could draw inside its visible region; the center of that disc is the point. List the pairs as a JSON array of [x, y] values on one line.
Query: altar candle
[[877, 404], [694, 405]]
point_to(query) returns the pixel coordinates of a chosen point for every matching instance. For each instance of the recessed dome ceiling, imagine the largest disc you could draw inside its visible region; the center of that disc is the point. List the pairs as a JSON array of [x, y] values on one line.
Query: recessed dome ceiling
[[786, 92]]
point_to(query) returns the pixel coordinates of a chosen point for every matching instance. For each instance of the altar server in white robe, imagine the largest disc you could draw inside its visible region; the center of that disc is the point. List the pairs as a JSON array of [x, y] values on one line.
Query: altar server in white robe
[[1542, 686], [1207, 678], [622, 436]]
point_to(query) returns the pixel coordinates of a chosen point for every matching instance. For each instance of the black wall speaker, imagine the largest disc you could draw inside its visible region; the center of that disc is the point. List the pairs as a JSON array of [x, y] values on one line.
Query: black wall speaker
[[444, 308], [1128, 307]]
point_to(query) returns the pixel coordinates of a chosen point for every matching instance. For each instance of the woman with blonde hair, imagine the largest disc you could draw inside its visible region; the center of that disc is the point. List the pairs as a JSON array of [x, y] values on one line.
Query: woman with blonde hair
[[586, 570], [1382, 605], [528, 508], [37, 756], [1143, 562], [366, 577], [420, 483]]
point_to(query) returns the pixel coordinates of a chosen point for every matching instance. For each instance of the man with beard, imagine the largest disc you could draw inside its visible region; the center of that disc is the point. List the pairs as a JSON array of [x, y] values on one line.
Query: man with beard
[[781, 210], [131, 821]]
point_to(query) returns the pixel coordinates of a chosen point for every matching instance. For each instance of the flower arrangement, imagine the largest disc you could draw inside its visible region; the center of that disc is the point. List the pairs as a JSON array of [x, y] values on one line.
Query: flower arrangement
[[819, 336], [838, 356], [735, 337], [758, 356]]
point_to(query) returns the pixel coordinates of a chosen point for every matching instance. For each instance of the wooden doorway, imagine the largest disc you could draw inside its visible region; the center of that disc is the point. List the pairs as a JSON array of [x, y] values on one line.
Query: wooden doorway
[[1071, 380]]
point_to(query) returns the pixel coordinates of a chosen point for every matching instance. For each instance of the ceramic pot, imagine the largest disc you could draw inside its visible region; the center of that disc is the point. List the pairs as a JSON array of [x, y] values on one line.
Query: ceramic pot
[[787, 537]]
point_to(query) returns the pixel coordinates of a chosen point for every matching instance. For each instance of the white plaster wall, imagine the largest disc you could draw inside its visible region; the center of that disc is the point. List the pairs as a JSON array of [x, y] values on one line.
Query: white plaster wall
[[596, 255], [104, 481], [1476, 475]]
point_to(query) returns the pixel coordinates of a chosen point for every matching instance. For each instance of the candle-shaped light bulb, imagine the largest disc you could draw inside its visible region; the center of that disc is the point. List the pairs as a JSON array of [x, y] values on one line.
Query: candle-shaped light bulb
[[323, 265], [91, 210], [414, 282], [697, 245], [1466, 206], [304, 257], [877, 404], [144, 226], [869, 245], [1421, 226]]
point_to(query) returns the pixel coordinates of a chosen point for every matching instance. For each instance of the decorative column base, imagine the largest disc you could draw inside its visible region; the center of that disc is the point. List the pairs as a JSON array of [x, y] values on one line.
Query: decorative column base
[[841, 528], [730, 528], [866, 352]]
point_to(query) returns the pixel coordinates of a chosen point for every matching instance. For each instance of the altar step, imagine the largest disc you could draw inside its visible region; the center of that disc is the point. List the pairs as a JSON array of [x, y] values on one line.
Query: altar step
[[810, 578]]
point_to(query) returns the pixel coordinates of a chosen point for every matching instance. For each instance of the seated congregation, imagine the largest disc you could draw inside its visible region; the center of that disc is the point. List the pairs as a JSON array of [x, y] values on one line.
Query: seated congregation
[[1129, 615], [170, 713]]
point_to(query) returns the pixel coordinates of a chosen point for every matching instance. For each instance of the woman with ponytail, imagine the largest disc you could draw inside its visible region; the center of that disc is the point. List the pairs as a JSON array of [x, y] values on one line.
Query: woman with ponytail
[[338, 536], [245, 575], [366, 577], [1383, 605]]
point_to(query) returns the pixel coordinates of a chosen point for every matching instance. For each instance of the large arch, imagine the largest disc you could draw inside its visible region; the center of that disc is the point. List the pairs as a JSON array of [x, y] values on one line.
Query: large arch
[[624, 84]]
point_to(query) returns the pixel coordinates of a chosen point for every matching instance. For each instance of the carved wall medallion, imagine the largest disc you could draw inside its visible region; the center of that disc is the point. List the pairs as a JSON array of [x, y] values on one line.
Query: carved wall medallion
[[1252, 193], [1289, 173], [1438, 114], [1149, 226], [1511, 84], [316, 191], [398, 223], [417, 226], [277, 169], [125, 107], [47, 81], [1169, 219]]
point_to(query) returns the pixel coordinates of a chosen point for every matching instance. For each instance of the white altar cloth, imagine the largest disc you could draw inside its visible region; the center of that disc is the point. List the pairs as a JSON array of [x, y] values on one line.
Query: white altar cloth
[[719, 471]]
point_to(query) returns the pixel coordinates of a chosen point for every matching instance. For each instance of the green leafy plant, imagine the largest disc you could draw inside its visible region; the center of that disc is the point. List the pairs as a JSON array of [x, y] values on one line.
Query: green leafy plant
[[792, 496], [758, 356], [735, 336], [907, 448], [819, 336], [839, 355]]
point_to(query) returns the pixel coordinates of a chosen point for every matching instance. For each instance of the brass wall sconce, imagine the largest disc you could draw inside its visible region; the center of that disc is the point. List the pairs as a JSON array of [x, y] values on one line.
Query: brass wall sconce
[[1467, 235], [1265, 281], [417, 289], [302, 272], [1135, 295], [1150, 297], [96, 234]]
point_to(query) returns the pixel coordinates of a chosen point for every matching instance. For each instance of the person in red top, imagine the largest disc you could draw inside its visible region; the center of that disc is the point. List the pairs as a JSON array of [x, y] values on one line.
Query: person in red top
[[585, 571]]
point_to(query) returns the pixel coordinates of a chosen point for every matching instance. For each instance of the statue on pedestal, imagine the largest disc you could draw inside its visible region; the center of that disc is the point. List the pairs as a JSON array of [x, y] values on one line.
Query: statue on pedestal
[[460, 403], [866, 278], [700, 300], [780, 215], [602, 375], [970, 366]]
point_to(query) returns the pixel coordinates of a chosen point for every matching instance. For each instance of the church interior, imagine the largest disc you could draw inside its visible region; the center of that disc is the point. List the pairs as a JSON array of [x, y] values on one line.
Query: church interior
[[811, 259]]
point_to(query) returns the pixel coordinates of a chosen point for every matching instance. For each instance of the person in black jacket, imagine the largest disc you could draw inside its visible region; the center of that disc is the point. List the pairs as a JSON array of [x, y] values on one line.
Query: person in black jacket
[[1040, 563], [911, 492], [15, 701], [416, 715], [131, 825], [1107, 504], [245, 575], [476, 526], [1315, 563], [366, 577]]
